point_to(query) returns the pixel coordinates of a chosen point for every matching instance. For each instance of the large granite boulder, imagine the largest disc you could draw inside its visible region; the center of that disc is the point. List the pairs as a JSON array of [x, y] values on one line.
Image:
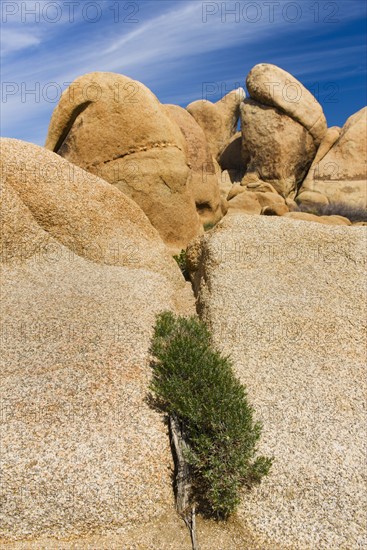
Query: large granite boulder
[[284, 299], [240, 198], [226, 179], [278, 148], [218, 120], [83, 275], [243, 202], [116, 128], [203, 182], [325, 220], [271, 85], [282, 126], [339, 171]]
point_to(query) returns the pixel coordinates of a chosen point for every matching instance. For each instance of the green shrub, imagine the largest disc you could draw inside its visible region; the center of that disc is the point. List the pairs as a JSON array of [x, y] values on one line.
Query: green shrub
[[195, 383], [208, 226], [181, 261]]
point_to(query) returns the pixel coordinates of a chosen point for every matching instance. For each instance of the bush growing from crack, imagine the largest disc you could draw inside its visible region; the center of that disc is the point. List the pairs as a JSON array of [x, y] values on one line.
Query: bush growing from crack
[[181, 261], [208, 226], [196, 384]]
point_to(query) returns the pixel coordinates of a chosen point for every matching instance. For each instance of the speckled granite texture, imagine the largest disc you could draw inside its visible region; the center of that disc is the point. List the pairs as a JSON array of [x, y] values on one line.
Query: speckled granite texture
[[287, 300]]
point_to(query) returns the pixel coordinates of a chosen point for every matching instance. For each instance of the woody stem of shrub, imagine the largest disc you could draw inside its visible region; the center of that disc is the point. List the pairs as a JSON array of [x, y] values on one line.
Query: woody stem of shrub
[[183, 479]]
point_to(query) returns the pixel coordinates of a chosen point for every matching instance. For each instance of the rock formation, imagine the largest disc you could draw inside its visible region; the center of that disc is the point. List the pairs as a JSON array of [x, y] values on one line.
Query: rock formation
[[339, 171], [116, 128], [83, 275], [282, 127], [89, 226], [280, 150], [218, 120], [283, 299], [240, 200], [203, 182], [270, 85]]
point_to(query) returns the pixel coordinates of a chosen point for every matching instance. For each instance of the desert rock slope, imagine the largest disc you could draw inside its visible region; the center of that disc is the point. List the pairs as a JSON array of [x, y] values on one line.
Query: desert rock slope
[[83, 275], [286, 299]]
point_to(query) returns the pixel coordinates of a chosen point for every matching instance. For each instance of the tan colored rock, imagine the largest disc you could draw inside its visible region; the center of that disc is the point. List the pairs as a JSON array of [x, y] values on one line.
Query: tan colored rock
[[271, 85], [275, 210], [257, 186], [267, 199], [56, 193], [280, 149], [292, 205], [115, 127], [245, 202], [336, 220], [350, 192], [227, 179], [311, 198], [236, 189], [351, 144], [270, 199], [203, 183], [193, 255], [169, 532], [218, 120], [283, 299], [331, 136], [341, 173], [231, 156], [225, 184], [264, 198], [83, 275], [325, 220]]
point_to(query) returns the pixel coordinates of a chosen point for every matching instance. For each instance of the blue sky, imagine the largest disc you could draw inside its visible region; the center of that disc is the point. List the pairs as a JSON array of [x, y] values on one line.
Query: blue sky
[[181, 49]]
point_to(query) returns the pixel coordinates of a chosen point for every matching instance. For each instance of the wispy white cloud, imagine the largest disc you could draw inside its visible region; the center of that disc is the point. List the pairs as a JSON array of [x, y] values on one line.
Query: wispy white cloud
[[14, 40], [171, 41]]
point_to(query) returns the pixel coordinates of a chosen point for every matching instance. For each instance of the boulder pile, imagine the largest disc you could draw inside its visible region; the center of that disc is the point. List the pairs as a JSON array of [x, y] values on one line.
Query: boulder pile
[[90, 223], [183, 167], [124, 135]]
